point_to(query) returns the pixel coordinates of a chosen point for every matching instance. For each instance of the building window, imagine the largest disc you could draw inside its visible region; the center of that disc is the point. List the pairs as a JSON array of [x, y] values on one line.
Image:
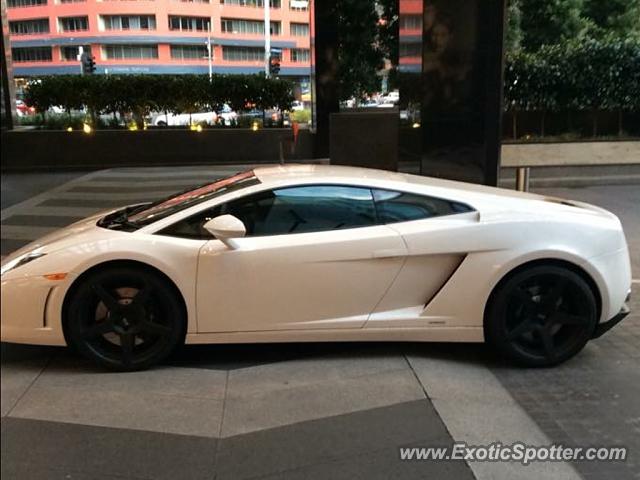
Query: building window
[[188, 24], [411, 22], [29, 27], [189, 52], [299, 55], [70, 53], [299, 29], [299, 5], [255, 27], [129, 22], [410, 50], [117, 52], [73, 24], [251, 3], [25, 3], [243, 54], [31, 54]]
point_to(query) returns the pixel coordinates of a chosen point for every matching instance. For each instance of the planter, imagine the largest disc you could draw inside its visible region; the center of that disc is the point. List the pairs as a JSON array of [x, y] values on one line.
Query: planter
[[123, 148]]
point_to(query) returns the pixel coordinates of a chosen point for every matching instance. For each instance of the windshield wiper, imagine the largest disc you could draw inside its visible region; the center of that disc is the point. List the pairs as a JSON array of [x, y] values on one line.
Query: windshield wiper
[[120, 218]]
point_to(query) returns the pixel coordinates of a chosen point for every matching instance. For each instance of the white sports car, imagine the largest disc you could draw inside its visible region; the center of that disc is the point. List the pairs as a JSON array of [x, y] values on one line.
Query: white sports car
[[321, 253]]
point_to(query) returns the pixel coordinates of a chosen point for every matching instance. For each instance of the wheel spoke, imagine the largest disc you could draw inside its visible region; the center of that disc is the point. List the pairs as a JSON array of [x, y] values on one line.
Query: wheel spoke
[[127, 342], [142, 296], [550, 302], [526, 300], [563, 318], [547, 343], [525, 327], [154, 328], [99, 329], [110, 302]]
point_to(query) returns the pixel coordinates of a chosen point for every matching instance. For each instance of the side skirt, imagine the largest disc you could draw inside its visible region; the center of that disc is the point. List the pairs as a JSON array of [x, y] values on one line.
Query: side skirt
[[433, 334]]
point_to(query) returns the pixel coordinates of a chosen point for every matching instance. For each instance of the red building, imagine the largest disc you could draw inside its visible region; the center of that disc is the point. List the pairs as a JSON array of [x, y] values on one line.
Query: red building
[[157, 36], [411, 18]]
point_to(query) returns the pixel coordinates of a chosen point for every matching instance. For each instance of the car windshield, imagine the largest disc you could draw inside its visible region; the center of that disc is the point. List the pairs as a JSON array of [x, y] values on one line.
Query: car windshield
[[155, 211]]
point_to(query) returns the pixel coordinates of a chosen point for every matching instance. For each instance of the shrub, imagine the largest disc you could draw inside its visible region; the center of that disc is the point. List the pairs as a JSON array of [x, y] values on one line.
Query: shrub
[[138, 95]]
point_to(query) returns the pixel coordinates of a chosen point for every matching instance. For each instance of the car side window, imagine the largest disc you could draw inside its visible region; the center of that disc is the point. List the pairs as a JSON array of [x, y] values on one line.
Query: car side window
[[394, 207], [304, 209]]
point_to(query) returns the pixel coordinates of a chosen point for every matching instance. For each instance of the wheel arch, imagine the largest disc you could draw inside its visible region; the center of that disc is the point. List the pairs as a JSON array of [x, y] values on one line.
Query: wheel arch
[[120, 263], [573, 267]]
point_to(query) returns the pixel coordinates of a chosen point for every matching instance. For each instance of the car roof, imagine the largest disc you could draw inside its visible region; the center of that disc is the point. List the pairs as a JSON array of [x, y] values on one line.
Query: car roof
[[278, 173], [283, 174]]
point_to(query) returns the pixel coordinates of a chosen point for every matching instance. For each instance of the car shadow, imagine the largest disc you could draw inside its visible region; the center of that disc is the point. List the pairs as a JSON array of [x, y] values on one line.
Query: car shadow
[[237, 356]]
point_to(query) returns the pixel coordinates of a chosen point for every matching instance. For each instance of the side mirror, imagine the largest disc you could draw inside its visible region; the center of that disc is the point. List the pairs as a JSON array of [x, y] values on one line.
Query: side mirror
[[226, 228]]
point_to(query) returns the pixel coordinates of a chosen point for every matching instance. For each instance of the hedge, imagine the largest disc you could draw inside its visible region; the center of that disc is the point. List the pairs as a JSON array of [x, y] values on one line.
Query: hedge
[[590, 76], [140, 94]]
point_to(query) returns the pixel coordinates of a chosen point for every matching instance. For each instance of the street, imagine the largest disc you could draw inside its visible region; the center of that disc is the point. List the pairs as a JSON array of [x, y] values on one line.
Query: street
[[339, 410]]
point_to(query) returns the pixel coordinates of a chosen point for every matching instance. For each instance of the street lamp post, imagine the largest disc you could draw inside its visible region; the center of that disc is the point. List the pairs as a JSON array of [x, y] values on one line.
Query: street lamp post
[[267, 36], [210, 53]]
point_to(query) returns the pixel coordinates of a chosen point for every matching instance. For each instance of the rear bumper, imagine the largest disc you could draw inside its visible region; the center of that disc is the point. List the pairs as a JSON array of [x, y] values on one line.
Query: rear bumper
[[604, 327]]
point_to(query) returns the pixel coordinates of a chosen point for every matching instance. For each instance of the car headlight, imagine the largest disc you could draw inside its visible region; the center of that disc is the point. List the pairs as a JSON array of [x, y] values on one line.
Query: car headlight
[[21, 260]]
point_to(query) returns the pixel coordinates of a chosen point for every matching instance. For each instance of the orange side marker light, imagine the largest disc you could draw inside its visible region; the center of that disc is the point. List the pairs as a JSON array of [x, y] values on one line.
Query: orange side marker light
[[55, 276]]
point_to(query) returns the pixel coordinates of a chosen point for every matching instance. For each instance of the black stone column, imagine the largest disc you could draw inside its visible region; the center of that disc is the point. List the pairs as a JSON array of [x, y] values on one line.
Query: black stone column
[[461, 89], [325, 71]]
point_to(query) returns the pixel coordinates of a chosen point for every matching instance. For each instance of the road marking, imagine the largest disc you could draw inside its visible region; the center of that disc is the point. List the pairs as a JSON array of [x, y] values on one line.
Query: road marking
[[478, 410]]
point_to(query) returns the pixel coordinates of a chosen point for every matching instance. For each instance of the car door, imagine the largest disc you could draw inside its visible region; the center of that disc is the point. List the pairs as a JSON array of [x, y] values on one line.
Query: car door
[[314, 257]]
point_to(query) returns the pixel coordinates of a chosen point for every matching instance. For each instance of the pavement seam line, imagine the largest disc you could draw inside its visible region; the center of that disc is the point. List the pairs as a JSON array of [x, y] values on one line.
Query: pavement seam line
[[446, 427], [26, 390], [219, 439]]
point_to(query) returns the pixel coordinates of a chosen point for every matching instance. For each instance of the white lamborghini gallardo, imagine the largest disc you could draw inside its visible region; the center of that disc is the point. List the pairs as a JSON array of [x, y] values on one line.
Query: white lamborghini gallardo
[[320, 253]]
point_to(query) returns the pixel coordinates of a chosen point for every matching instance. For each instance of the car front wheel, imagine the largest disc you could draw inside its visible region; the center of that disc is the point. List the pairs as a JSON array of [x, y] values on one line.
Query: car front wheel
[[124, 318], [541, 316]]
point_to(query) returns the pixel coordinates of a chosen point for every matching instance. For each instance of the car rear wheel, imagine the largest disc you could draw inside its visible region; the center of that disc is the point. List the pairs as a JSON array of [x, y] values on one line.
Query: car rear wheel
[[541, 316], [125, 318]]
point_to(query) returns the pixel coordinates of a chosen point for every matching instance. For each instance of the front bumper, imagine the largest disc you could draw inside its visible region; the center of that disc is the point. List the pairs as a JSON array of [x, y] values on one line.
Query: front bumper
[[29, 311]]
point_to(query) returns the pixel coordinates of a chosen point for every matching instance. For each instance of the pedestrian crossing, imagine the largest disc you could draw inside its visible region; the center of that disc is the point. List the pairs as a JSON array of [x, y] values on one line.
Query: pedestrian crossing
[[102, 190]]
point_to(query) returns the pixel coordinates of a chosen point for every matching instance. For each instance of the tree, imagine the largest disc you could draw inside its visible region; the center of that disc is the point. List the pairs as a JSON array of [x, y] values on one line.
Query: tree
[[513, 34], [360, 53], [618, 18], [550, 22]]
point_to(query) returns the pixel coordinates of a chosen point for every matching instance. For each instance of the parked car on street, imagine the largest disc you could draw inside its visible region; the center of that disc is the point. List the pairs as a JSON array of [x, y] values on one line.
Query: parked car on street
[[22, 109], [227, 117], [184, 119]]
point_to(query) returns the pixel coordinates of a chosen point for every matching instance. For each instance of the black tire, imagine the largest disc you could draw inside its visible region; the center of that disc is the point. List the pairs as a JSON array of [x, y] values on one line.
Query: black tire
[[541, 316], [124, 318]]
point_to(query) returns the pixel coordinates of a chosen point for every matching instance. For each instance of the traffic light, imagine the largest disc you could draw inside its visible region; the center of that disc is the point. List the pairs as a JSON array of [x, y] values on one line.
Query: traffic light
[[274, 65], [88, 63]]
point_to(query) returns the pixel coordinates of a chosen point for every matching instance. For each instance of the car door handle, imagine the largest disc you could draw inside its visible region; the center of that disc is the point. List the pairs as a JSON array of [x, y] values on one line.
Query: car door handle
[[389, 253]]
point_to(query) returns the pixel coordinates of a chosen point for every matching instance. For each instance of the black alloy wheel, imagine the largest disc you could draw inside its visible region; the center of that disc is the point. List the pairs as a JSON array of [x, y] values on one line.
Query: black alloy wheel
[[541, 316], [124, 318]]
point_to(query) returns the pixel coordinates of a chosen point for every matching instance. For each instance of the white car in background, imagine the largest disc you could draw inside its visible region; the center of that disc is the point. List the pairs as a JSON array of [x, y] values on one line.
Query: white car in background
[[308, 253], [227, 117], [184, 119]]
